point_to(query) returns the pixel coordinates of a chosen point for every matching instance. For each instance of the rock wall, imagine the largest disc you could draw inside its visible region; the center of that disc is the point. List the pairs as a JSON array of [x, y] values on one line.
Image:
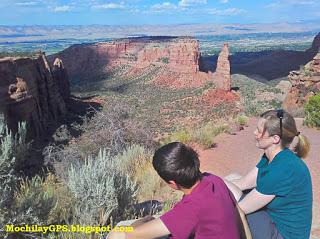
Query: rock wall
[[29, 91], [305, 83], [222, 77], [86, 61]]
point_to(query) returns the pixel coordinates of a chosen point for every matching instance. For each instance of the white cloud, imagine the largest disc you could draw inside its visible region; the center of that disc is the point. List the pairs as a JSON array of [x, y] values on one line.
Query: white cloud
[[27, 3], [288, 3], [224, 1], [226, 12], [64, 8], [163, 7], [110, 6], [187, 3]]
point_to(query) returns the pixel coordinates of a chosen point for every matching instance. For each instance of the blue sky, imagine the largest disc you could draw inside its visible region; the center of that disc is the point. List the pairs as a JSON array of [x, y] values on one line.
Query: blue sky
[[132, 12]]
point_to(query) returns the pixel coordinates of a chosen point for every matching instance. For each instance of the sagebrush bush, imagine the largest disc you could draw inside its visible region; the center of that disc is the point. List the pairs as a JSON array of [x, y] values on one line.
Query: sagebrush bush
[[312, 111], [11, 147], [111, 129], [133, 159], [34, 201], [101, 190]]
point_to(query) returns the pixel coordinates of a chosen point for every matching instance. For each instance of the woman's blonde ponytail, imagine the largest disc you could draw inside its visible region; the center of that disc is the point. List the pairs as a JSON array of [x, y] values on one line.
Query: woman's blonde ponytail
[[303, 146]]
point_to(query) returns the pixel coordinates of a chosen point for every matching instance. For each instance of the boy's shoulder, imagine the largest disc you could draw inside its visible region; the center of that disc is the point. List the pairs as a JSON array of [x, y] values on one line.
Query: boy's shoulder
[[211, 177]]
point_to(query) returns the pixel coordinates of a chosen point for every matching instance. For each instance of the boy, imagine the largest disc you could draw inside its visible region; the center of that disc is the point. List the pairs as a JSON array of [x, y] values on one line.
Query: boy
[[207, 209]]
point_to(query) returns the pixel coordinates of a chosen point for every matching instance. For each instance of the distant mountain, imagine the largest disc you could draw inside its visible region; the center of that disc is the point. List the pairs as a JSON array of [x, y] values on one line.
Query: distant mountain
[[36, 32]]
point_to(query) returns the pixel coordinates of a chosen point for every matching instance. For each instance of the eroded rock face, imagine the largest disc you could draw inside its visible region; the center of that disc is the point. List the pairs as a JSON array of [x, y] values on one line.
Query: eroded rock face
[[305, 83], [87, 62], [29, 92], [222, 77]]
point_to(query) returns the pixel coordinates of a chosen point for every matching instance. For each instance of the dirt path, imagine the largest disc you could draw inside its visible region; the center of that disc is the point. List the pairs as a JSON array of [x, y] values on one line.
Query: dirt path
[[238, 153]]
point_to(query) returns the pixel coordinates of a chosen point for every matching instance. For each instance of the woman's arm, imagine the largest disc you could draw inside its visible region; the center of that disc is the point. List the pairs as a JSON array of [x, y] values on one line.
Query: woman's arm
[[254, 201], [248, 181]]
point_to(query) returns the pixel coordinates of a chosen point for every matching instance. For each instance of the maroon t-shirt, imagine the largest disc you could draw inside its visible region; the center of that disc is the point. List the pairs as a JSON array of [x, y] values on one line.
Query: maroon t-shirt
[[209, 212]]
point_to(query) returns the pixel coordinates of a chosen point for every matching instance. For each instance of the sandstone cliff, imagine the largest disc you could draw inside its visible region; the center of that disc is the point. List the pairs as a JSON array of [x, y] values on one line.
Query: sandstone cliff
[[30, 91], [90, 61], [305, 83]]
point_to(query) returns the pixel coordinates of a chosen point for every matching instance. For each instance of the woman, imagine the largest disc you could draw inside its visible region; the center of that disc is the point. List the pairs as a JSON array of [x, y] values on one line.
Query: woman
[[279, 204]]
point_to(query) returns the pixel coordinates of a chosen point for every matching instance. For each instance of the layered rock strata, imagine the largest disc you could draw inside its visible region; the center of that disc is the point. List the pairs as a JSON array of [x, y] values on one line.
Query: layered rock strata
[[305, 83], [87, 61], [30, 91]]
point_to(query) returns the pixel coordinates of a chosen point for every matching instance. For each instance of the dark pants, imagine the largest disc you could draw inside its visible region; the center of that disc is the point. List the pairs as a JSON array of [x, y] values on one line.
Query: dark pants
[[261, 225]]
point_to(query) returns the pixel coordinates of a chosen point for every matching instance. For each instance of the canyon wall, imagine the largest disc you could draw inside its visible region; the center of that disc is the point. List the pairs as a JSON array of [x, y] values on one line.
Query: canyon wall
[[31, 91], [177, 61], [87, 61]]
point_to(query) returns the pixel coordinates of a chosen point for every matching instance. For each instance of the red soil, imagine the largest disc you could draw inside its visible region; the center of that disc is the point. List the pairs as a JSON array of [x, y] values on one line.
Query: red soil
[[214, 97]]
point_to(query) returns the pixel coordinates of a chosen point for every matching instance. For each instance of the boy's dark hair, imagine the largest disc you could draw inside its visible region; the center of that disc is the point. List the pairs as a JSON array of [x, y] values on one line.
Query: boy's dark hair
[[177, 162]]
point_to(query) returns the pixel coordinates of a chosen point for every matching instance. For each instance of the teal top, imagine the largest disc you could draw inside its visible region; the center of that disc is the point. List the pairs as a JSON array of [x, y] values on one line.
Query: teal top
[[288, 178]]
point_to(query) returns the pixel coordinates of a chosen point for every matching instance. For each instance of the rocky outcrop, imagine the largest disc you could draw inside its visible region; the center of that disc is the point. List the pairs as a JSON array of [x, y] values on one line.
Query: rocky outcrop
[[91, 61], [222, 77], [29, 92], [305, 83], [60, 75]]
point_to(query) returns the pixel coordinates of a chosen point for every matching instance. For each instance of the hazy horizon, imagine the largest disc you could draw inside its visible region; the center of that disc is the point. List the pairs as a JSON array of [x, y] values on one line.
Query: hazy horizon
[[152, 12]]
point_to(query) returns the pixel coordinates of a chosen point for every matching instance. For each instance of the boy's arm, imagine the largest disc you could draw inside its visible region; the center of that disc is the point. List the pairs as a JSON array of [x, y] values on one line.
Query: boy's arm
[[152, 229]]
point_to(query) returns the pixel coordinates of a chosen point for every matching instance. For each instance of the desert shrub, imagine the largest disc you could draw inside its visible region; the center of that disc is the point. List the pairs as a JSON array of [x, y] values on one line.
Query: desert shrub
[[164, 60], [312, 111], [205, 134], [305, 70], [34, 201], [113, 129], [11, 148], [149, 182], [242, 120], [61, 158], [133, 159], [182, 135], [101, 190]]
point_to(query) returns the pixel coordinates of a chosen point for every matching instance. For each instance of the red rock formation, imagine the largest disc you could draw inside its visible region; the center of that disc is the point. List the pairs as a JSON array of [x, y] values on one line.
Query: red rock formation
[[88, 62], [222, 77], [29, 92], [60, 75], [305, 83]]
